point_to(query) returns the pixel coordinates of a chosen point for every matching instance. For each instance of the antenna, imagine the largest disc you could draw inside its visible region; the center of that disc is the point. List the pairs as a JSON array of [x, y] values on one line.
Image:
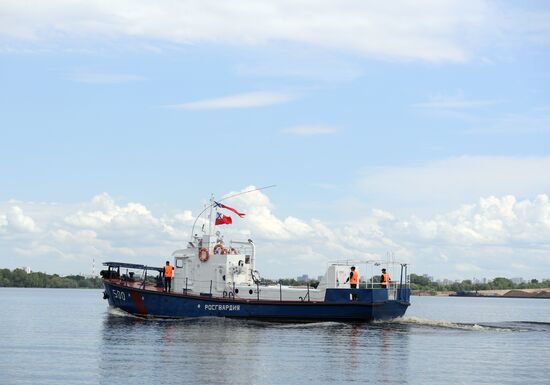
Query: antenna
[[246, 192]]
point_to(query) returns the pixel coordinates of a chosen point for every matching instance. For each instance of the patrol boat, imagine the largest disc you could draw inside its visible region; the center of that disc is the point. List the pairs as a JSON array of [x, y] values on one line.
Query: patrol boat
[[212, 278]]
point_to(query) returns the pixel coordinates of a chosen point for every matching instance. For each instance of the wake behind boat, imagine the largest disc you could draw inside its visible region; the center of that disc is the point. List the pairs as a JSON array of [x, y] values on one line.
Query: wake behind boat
[[212, 278]]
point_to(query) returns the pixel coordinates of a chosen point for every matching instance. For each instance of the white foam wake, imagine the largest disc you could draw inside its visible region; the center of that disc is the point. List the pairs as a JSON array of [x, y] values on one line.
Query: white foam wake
[[119, 312], [411, 320]]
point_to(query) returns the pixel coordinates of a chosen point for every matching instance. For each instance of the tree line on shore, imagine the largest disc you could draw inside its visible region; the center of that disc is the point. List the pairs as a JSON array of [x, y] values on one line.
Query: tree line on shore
[[423, 282], [20, 278]]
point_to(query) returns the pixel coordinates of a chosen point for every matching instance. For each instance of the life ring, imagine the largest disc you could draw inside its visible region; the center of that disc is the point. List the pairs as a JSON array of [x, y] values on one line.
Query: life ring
[[218, 249], [255, 276], [203, 254]]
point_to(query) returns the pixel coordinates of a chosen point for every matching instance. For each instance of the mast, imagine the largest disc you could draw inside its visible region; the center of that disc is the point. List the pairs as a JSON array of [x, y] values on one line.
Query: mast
[[210, 218], [211, 205]]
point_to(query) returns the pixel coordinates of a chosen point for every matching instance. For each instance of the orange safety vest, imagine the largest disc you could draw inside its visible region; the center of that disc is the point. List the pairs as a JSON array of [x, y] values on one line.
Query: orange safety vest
[[168, 271], [353, 279], [385, 279]]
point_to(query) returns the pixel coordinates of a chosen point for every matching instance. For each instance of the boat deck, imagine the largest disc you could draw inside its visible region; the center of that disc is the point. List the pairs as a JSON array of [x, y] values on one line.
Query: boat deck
[[153, 288]]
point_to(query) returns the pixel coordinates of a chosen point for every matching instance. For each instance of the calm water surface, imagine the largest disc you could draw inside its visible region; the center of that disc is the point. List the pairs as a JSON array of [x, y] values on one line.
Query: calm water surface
[[56, 336]]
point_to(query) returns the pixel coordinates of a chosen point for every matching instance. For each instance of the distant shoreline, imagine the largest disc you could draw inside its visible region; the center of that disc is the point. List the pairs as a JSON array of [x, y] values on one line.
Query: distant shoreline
[[46, 287], [507, 293]]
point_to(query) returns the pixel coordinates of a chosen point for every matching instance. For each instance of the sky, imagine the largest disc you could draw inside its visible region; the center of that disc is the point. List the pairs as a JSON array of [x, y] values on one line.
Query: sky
[[414, 129]]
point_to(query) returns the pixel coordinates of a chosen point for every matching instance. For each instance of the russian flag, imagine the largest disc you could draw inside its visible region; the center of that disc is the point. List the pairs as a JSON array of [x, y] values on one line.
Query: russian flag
[[223, 219]]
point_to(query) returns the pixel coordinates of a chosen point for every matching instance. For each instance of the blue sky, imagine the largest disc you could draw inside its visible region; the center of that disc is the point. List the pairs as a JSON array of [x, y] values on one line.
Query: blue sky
[[420, 129]]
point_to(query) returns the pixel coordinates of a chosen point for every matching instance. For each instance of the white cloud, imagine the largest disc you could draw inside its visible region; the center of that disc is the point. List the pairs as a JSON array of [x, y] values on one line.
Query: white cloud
[[18, 221], [440, 102], [264, 223], [184, 216], [3, 220], [486, 238], [310, 130], [421, 30], [110, 220], [244, 100], [104, 78], [492, 221]]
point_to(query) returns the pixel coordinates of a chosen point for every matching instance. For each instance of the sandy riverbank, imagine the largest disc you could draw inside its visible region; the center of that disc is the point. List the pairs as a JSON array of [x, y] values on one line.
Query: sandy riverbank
[[514, 293]]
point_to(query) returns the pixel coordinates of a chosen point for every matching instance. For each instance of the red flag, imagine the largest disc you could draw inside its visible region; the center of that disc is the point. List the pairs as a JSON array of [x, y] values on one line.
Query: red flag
[[216, 204], [223, 219]]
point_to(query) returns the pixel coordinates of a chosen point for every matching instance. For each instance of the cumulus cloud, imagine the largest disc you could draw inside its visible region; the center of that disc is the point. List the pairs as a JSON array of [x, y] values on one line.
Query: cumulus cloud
[[495, 235], [491, 220], [133, 220], [3, 221], [264, 222], [425, 30], [15, 219], [184, 216]]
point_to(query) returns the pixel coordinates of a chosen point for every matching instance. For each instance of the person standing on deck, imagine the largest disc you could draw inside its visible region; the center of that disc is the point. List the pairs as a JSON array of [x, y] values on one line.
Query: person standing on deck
[[384, 279], [168, 273], [353, 279]]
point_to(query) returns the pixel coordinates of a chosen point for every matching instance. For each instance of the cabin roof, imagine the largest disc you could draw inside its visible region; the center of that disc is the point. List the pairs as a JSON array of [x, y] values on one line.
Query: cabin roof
[[132, 266]]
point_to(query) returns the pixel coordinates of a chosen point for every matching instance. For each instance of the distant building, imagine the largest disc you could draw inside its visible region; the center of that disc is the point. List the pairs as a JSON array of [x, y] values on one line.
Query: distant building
[[303, 278], [517, 280], [27, 270]]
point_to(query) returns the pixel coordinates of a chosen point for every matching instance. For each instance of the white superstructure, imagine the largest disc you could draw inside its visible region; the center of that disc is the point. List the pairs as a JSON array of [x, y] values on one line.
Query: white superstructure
[[210, 266], [226, 270]]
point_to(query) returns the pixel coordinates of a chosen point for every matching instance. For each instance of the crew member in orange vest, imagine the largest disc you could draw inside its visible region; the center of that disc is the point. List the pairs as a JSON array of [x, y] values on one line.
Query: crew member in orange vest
[[168, 273], [384, 279], [353, 279]]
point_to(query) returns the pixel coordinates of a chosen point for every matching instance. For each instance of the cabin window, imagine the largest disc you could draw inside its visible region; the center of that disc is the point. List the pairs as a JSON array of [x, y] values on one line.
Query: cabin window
[[179, 263], [237, 291], [247, 259], [250, 292]]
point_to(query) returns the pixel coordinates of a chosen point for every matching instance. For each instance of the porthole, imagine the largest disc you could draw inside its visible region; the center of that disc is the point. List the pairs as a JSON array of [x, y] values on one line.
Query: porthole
[[237, 291], [223, 277], [250, 291]]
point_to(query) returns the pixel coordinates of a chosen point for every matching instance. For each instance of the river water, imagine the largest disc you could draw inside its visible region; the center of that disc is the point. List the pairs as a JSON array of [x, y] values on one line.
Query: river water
[[58, 336]]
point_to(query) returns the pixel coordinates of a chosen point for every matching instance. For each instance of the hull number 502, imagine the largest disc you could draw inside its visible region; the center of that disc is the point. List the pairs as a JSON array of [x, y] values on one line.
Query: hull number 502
[[119, 295]]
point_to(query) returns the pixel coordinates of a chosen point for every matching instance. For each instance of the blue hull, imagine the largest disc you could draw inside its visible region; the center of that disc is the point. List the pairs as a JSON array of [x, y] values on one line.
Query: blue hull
[[371, 304]]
